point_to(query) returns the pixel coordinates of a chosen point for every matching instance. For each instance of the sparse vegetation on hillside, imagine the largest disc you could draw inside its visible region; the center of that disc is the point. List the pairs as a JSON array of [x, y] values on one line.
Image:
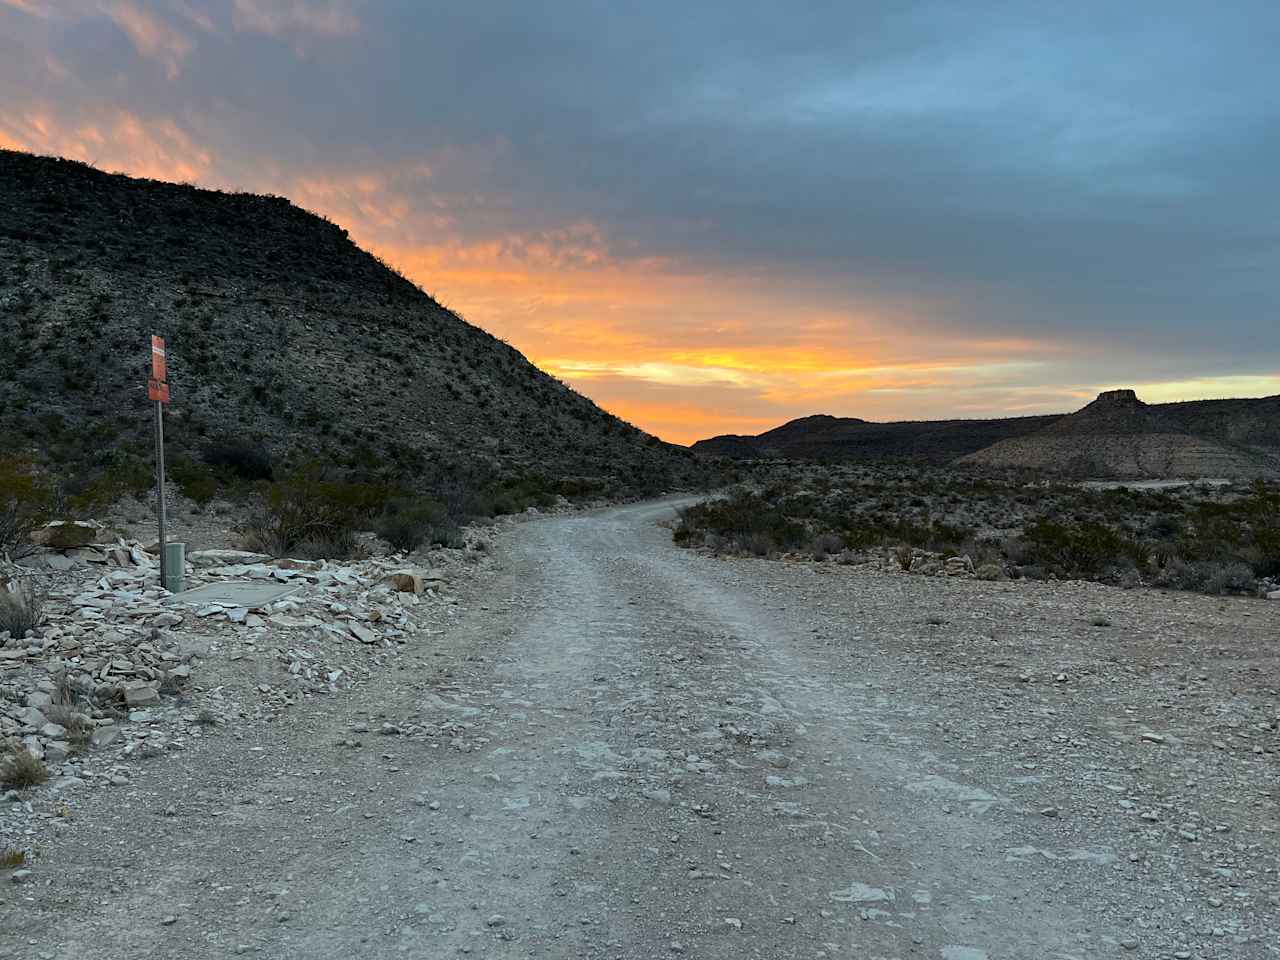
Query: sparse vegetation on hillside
[[1214, 539], [287, 345], [27, 501]]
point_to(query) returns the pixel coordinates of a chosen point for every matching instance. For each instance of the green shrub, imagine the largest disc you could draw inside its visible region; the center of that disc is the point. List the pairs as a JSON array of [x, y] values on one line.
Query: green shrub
[[123, 474], [245, 461], [27, 502], [1079, 549], [408, 523], [196, 481], [746, 522], [310, 515]]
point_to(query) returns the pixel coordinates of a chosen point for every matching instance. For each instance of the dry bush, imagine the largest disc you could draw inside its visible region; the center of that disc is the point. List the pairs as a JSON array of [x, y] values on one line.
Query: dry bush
[[21, 607], [27, 503], [21, 768]]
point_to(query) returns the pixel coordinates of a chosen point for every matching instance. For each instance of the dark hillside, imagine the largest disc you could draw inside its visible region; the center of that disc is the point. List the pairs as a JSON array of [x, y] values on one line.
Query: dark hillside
[[1116, 435], [283, 335], [848, 438]]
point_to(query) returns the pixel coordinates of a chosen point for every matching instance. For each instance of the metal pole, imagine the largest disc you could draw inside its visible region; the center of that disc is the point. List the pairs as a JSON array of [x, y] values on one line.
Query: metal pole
[[160, 484]]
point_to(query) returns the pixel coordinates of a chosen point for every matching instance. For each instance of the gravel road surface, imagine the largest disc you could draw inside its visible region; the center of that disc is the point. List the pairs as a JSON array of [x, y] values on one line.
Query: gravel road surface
[[626, 750]]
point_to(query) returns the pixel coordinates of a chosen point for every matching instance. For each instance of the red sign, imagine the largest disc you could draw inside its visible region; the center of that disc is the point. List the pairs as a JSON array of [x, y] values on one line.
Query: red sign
[[158, 390], [158, 371]]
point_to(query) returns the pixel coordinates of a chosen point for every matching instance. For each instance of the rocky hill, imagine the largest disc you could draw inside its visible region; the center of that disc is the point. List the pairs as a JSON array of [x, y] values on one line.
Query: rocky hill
[[1117, 435], [848, 438], [282, 336]]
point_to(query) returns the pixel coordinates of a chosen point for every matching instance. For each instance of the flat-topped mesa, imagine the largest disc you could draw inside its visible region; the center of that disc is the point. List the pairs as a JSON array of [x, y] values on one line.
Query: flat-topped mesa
[[1117, 396]]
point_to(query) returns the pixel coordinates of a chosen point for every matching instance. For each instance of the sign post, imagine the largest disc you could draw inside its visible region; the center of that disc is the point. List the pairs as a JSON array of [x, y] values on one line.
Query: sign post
[[158, 391]]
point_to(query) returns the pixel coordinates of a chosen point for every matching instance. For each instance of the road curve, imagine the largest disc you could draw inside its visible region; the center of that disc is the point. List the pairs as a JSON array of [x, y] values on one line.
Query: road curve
[[632, 751]]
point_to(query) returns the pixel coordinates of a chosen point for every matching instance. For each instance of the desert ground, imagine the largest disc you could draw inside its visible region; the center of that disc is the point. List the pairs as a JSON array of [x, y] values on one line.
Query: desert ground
[[597, 744]]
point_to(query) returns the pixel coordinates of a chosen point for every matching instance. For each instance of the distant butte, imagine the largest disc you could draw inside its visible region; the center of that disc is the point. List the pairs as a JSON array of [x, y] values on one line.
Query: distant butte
[[1116, 435]]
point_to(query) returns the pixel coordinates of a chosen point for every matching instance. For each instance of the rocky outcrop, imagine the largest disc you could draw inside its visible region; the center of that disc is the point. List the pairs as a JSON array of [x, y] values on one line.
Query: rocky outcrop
[[1119, 436], [1116, 435]]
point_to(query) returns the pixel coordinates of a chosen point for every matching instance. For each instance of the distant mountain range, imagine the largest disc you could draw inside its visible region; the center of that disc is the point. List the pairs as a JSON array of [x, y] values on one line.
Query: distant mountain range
[[1117, 435]]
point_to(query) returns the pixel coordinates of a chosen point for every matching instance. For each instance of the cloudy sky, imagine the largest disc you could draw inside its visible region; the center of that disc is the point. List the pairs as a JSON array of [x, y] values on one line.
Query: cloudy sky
[[714, 217]]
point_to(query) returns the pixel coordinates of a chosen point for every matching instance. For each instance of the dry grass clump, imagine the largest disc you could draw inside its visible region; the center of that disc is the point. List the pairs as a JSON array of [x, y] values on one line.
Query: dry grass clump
[[21, 768], [21, 607], [70, 710]]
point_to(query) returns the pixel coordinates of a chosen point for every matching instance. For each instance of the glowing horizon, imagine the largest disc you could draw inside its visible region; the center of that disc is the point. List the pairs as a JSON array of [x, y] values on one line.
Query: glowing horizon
[[864, 266]]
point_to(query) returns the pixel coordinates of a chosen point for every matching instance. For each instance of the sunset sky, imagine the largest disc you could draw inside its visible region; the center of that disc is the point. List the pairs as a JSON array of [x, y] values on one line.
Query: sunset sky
[[715, 217]]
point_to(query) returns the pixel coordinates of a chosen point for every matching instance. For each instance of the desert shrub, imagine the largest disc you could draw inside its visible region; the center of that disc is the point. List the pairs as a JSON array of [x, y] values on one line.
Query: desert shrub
[[825, 545], [70, 709], [244, 461], [447, 534], [745, 520], [21, 768], [21, 607], [311, 517], [1205, 576], [120, 473], [27, 502], [408, 523], [1078, 549], [196, 480]]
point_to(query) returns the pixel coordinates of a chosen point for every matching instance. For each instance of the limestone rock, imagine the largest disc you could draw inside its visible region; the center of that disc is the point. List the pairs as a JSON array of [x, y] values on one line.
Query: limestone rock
[[224, 558], [140, 693], [67, 534], [406, 581]]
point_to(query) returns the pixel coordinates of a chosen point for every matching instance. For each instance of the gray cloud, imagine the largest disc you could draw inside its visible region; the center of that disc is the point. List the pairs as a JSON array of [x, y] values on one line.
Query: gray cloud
[[1040, 169]]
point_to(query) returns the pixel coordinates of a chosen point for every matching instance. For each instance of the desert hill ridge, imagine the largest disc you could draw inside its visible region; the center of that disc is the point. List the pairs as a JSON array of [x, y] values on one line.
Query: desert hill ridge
[[282, 334], [1116, 435]]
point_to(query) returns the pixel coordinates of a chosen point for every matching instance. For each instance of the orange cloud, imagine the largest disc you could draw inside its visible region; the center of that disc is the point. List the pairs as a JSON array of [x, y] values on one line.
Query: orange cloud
[[119, 140], [150, 36], [681, 350]]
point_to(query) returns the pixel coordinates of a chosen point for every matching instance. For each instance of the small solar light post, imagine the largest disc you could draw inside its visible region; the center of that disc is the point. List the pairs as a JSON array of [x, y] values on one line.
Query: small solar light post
[[158, 391]]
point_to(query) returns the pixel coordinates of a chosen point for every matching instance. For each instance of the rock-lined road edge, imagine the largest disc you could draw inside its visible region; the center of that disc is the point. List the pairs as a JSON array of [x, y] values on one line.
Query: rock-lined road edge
[[627, 750]]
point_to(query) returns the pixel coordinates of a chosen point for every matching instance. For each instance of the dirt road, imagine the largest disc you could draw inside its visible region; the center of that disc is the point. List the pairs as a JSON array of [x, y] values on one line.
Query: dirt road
[[629, 751]]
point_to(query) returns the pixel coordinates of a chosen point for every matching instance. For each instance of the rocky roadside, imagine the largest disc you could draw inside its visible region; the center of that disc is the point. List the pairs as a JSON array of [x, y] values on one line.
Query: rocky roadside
[[122, 671]]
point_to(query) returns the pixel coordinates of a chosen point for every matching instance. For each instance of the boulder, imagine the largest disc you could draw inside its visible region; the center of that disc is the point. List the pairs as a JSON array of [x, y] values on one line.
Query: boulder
[[67, 534], [288, 563], [105, 735], [39, 699], [406, 581], [140, 693], [1274, 595], [224, 558]]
